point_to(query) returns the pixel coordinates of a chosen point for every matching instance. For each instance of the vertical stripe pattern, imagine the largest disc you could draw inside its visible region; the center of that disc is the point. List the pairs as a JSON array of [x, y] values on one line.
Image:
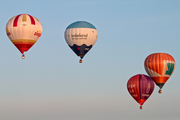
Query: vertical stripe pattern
[[140, 87], [159, 66], [32, 20], [16, 21], [24, 18], [24, 31]]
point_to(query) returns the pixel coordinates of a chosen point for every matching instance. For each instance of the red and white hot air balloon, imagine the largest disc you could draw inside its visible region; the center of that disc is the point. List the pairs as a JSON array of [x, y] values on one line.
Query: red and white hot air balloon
[[24, 31]]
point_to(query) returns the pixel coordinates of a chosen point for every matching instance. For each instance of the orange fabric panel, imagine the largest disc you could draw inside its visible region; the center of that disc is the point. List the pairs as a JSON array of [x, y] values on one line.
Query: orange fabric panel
[[160, 79], [155, 61]]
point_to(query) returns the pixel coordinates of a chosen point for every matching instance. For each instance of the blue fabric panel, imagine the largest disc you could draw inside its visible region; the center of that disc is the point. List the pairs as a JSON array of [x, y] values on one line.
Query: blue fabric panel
[[80, 50], [81, 24]]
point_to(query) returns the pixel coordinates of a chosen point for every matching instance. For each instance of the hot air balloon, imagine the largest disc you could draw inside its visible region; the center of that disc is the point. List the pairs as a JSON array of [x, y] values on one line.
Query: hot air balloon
[[140, 88], [24, 31], [81, 36], [159, 67]]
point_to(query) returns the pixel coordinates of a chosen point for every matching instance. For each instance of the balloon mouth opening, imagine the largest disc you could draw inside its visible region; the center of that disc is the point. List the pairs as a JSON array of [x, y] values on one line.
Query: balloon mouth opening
[[141, 102], [160, 85], [81, 55]]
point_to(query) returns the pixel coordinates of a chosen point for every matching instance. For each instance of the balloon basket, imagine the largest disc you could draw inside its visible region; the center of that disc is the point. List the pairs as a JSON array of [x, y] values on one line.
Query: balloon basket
[[160, 91], [80, 61], [23, 56], [141, 107]]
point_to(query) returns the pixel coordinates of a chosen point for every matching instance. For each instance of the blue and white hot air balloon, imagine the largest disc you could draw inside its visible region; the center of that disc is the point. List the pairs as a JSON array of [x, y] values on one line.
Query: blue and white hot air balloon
[[81, 36]]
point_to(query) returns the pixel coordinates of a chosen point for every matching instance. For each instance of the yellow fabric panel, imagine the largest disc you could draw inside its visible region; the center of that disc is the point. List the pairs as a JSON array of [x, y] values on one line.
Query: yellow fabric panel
[[36, 19], [23, 40], [11, 18], [7, 30], [24, 18]]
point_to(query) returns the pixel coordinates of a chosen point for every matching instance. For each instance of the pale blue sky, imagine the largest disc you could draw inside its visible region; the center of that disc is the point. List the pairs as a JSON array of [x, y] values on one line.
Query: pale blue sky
[[50, 84]]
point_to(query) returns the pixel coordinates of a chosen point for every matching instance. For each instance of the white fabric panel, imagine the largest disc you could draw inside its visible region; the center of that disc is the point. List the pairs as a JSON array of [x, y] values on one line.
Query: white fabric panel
[[24, 29], [151, 73], [81, 36]]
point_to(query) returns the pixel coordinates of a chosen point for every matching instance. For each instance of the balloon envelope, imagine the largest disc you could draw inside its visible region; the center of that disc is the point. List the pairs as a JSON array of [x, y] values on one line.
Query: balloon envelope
[[81, 36], [159, 67], [24, 31], [140, 87]]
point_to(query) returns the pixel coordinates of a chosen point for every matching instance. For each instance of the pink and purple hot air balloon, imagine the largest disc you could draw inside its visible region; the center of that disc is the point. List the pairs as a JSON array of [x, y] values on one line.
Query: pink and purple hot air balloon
[[140, 88]]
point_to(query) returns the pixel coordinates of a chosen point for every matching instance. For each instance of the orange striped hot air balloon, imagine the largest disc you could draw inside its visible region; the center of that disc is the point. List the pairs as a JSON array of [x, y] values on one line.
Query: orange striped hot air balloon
[[24, 31], [159, 66]]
